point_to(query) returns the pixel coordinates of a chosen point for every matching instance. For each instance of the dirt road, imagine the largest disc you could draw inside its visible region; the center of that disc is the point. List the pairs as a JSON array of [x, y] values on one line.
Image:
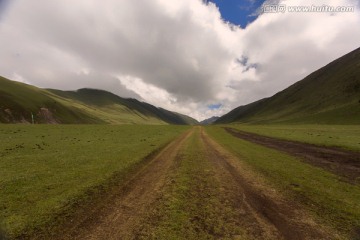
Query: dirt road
[[341, 162], [122, 212], [195, 189]]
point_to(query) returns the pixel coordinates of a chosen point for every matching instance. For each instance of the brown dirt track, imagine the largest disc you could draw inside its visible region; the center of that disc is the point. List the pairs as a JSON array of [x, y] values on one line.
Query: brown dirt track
[[119, 215], [341, 162], [261, 211]]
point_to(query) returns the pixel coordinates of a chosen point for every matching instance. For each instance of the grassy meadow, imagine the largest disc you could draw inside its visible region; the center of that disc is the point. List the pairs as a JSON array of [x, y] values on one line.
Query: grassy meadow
[[343, 136], [325, 195], [44, 169]]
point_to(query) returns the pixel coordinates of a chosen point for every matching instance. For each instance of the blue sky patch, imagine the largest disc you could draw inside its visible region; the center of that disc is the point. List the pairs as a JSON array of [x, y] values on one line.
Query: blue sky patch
[[3, 4], [238, 12], [214, 106]]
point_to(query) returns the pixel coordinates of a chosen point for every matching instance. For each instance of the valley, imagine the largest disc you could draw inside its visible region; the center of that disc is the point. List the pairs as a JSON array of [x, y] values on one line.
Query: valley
[[88, 164], [179, 182], [180, 120]]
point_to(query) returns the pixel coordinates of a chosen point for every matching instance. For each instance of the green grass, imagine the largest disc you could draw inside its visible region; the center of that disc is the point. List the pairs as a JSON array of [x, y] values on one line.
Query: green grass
[[324, 194], [344, 136], [192, 206], [45, 169], [19, 93]]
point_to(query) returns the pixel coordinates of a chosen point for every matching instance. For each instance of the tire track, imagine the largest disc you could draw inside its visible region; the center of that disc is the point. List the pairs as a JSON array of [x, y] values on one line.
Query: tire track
[[119, 216], [341, 162], [237, 201], [273, 216]]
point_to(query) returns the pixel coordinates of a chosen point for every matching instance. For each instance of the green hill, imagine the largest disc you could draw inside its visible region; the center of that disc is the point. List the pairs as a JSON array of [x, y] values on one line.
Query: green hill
[[330, 95], [21, 102], [115, 108]]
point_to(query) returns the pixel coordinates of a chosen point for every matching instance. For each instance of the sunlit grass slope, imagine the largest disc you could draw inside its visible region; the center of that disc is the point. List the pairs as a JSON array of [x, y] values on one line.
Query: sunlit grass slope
[[19, 102]]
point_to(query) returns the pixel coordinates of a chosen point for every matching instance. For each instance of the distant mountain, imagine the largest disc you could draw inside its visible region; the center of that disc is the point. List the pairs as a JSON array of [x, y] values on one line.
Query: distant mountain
[[209, 120], [330, 95], [123, 109], [25, 103]]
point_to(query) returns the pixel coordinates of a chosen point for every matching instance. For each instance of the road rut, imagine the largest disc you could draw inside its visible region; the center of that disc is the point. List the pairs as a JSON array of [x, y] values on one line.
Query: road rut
[[218, 185], [120, 215], [267, 215], [341, 162]]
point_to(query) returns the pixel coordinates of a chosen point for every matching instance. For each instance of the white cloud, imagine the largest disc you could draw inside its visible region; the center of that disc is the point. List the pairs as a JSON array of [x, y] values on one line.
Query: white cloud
[[175, 54], [146, 91], [19, 78]]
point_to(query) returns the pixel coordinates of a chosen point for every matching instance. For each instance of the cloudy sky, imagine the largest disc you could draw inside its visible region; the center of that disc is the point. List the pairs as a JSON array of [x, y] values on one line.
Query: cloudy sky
[[200, 58]]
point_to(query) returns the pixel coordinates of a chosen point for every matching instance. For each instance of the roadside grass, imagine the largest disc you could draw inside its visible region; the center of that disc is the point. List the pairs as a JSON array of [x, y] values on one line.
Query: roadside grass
[[343, 136], [331, 200], [192, 205], [45, 169]]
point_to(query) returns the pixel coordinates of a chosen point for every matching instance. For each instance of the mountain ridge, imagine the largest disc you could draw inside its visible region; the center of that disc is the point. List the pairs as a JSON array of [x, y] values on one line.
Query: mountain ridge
[[209, 121], [24, 103], [330, 95]]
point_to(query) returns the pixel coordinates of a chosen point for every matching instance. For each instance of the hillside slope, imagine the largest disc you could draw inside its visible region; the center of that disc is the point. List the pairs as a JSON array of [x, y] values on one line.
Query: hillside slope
[[22, 103], [330, 95], [121, 109]]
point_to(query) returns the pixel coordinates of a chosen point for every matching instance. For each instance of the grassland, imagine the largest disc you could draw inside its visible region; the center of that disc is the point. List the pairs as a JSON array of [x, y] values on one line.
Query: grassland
[[206, 184], [324, 194], [344, 136], [45, 169]]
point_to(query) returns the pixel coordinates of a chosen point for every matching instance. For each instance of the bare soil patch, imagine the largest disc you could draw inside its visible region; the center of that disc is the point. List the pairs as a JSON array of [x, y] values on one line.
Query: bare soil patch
[[341, 162], [265, 213]]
